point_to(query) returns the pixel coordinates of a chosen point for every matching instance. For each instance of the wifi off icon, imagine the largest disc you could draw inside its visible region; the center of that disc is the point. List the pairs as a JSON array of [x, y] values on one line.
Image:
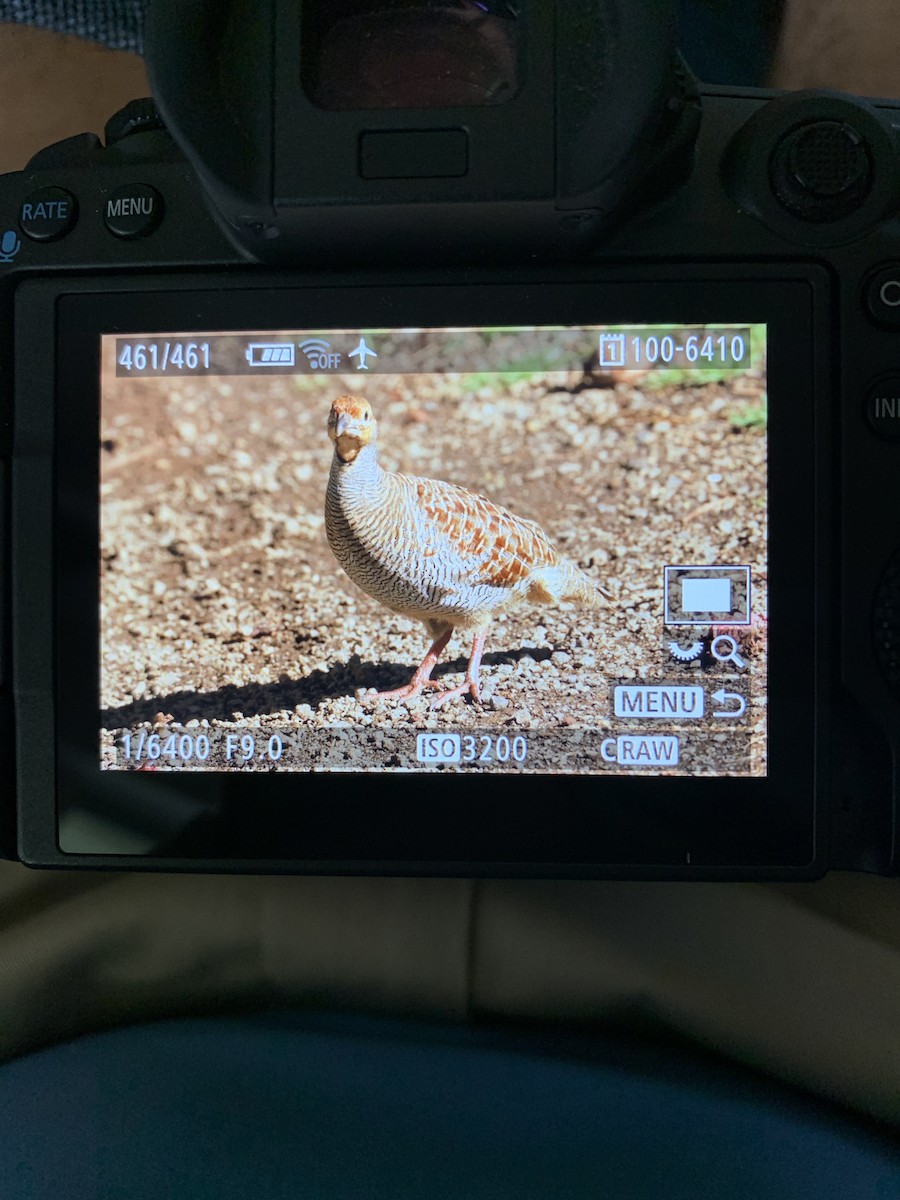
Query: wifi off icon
[[319, 354]]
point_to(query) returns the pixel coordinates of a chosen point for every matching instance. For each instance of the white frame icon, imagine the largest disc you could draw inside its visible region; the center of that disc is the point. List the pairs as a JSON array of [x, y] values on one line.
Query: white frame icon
[[673, 619]]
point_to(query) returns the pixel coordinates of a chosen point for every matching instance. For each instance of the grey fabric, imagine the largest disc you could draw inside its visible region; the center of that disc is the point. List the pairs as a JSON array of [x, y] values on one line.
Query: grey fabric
[[118, 24], [799, 981]]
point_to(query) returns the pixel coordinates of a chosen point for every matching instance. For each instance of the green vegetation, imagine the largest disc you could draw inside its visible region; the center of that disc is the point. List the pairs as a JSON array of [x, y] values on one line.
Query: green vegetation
[[750, 416], [524, 368], [684, 377]]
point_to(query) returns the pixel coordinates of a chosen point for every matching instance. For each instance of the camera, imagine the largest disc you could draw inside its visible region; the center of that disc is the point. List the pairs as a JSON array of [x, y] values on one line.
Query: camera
[[446, 438]]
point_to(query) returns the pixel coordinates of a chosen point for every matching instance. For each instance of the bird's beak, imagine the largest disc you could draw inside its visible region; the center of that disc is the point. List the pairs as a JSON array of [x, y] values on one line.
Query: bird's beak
[[344, 419]]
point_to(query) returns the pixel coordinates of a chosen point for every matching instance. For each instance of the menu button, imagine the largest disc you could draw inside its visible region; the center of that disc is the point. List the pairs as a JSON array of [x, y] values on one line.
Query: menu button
[[133, 211], [659, 702]]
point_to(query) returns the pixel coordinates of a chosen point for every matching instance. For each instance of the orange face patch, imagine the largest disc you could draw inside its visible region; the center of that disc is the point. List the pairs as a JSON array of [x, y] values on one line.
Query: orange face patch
[[351, 426], [354, 406]]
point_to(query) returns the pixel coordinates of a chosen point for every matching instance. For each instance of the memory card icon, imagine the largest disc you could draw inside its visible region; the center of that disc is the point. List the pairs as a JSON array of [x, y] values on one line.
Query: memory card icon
[[271, 354], [612, 350]]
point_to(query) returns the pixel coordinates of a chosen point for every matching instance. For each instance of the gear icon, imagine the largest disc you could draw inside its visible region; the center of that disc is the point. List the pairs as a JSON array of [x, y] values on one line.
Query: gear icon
[[685, 653]]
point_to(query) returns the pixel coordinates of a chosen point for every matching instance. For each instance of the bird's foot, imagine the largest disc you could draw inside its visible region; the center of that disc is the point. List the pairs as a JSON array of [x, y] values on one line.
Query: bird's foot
[[407, 692], [469, 685]]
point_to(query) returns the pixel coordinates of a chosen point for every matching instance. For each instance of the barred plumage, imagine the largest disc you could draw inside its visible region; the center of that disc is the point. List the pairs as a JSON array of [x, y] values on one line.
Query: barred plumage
[[434, 551]]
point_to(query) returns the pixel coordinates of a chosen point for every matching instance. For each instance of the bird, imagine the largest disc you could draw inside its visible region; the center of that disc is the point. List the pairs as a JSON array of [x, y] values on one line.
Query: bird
[[435, 552]]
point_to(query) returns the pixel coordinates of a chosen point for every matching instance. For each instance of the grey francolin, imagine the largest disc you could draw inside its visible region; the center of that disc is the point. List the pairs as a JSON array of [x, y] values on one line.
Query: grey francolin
[[433, 551]]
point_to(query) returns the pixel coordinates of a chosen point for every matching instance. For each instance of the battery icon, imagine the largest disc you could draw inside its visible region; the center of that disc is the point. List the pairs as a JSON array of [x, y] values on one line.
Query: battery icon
[[270, 354]]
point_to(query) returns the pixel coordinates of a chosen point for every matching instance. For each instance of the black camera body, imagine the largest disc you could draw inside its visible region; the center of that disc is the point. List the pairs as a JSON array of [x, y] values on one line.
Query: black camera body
[[565, 196]]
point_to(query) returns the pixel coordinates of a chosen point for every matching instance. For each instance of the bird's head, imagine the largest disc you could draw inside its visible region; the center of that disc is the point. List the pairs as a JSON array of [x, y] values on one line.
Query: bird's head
[[351, 426]]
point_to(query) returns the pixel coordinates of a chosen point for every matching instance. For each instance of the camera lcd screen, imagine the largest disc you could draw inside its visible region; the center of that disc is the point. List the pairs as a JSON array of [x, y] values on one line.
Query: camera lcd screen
[[549, 543]]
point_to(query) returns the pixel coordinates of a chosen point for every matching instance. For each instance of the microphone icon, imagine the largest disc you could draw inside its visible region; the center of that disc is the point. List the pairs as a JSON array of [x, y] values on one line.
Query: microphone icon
[[10, 245]]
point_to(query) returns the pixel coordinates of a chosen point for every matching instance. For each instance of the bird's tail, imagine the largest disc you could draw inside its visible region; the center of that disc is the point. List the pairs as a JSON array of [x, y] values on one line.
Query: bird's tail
[[569, 583], [581, 589]]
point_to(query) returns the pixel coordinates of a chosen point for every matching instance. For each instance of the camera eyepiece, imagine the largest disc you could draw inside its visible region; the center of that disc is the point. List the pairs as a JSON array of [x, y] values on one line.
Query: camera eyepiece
[[453, 130], [410, 54]]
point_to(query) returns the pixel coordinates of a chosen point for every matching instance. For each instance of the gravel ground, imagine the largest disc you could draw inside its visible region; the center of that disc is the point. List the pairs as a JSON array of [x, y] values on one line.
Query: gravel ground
[[224, 612]]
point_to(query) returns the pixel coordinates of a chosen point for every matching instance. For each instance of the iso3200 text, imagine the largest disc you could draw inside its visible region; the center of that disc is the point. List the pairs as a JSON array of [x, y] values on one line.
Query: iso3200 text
[[454, 748]]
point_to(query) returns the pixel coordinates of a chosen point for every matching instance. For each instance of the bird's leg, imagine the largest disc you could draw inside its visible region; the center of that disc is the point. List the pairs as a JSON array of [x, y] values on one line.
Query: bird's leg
[[421, 678], [470, 684]]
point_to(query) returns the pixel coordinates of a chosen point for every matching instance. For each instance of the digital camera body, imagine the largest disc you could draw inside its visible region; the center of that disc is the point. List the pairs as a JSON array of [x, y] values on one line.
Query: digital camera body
[[164, 299]]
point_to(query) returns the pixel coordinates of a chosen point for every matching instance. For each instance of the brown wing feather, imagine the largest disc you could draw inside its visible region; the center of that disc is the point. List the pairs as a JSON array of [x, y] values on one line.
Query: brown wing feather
[[502, 547]]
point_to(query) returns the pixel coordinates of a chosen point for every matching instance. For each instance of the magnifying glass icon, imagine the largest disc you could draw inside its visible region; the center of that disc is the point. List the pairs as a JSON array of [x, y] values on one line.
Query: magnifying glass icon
[[724, 648]]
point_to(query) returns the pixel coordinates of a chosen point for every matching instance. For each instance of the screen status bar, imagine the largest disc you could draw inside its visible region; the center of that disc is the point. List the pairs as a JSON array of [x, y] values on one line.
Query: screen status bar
[[387, 351]]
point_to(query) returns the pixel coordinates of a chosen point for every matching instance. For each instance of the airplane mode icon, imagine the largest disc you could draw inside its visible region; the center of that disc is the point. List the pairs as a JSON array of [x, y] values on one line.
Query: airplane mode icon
[[363, 353]]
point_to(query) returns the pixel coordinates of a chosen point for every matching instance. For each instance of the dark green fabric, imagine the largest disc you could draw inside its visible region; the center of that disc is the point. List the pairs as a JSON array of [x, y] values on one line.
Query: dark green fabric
[[316, 1106]]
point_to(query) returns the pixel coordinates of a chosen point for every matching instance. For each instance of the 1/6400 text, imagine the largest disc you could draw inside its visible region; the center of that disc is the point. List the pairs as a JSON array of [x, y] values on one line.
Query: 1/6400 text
[[144, 746]]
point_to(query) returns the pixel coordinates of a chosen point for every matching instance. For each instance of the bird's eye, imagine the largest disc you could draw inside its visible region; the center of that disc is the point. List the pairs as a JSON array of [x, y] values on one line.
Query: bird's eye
[[365, 416]]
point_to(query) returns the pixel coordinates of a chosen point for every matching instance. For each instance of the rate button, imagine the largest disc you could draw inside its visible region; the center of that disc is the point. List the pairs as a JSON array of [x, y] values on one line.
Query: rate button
[[48, 214]]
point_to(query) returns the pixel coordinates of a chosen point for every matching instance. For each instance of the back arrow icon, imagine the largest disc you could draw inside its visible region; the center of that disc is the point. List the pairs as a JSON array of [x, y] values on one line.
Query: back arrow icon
[[723, 698]]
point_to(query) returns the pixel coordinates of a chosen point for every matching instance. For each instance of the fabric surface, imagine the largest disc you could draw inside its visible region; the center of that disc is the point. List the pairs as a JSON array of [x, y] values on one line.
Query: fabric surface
[[801, 982], [723, 42], [324, 1106], [118, 24]]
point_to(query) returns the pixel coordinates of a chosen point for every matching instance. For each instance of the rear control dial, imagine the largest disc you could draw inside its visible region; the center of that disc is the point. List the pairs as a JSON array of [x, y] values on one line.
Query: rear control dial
[[821, 171]]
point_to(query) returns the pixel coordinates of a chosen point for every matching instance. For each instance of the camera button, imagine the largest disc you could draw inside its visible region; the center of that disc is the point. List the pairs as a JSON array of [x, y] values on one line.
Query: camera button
[[133, 211], [882, 295], [883, 407], [48, 214]]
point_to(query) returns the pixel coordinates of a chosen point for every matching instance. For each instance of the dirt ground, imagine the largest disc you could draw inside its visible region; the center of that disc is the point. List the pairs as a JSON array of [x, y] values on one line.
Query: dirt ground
[[224, 612]]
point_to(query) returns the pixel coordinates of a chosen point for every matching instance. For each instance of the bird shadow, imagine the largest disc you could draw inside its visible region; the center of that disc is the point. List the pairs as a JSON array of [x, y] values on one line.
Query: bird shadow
[[259, 699]]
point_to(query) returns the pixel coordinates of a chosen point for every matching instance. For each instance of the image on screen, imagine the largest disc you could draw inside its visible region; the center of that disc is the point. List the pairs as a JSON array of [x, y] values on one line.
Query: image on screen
[[531, 550]]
